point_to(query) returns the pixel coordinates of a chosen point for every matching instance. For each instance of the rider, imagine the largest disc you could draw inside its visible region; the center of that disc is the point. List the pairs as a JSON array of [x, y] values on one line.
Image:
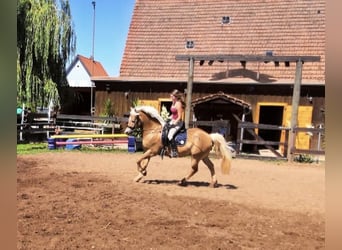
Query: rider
[[175, 122]]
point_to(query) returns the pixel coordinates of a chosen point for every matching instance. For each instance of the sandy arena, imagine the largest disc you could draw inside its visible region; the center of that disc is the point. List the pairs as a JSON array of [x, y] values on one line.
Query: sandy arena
[[78, 200]]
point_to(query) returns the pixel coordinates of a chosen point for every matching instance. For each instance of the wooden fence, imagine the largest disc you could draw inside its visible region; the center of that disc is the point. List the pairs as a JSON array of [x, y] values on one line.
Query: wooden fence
[[30, 125], [34, 124], [251, 128], [97, 124], [216, 126], [318, 151], [42, 124]]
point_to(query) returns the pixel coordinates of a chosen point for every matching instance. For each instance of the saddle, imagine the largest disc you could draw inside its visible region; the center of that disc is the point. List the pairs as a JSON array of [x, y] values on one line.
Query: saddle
[[180, 138]]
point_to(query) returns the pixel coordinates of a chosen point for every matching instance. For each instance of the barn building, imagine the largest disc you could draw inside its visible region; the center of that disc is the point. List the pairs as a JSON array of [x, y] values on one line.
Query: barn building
[[79, 74], [224, 85]]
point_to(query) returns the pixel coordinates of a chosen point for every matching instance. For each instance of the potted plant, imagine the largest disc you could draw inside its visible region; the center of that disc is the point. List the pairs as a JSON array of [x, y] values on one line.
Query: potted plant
[[164, 113], [107, 112]]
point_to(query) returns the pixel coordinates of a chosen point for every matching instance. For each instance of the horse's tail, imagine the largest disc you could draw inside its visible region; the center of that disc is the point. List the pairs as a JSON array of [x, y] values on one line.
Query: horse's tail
[[222, 150]]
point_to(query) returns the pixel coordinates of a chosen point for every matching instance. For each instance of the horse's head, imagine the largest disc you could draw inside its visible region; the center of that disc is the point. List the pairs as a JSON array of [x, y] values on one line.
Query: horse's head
[[133, 121], [144, 116]]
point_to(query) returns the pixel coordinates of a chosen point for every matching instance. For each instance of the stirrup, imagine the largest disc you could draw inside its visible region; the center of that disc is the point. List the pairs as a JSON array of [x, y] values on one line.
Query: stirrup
[[162, 153], [173, 153]]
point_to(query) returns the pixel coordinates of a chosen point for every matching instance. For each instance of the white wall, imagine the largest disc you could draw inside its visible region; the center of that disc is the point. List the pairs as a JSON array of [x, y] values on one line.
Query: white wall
[[78, 76]]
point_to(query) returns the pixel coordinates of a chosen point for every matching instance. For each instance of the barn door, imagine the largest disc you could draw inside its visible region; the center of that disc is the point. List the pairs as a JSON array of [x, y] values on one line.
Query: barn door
[[304, 120], [272, 113]]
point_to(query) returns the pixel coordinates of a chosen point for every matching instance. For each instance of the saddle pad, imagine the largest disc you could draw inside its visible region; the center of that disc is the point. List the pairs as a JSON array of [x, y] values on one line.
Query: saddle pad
[[181, 138]]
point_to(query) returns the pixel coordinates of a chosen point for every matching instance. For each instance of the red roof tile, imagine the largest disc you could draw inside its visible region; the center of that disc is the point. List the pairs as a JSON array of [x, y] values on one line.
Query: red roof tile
[[93, 67], [160, 29]]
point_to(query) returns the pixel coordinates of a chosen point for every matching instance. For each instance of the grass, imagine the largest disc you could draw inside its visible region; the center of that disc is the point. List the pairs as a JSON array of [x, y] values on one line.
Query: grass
[[32, 148], [42, 147]]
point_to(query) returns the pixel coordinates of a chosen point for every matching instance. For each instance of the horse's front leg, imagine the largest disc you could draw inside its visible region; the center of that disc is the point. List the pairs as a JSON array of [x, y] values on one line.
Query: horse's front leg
[[142, 167]]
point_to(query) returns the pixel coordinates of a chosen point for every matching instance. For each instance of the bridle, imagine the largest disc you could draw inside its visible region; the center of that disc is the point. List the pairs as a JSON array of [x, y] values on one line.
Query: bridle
[[135, 123]]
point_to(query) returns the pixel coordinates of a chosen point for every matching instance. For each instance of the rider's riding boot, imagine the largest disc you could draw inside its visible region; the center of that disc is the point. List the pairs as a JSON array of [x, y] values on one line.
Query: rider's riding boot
[[174, 152]]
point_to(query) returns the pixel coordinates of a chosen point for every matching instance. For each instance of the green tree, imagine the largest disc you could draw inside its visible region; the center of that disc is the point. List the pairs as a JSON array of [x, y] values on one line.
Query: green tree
[[45, 41]]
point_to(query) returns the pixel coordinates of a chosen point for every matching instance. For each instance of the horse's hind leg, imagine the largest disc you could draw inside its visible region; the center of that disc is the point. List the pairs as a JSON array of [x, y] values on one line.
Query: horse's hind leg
[[210, 165], [194, 169]]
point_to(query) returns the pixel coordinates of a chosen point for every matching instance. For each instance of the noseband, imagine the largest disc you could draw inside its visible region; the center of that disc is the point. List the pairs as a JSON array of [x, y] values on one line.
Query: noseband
[[135, 123]]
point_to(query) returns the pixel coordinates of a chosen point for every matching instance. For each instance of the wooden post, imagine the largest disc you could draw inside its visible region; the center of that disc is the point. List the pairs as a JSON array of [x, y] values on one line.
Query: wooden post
[[189, 92], [22, 121], [241, 131], [286, 146], [295, 105], [239, 142]]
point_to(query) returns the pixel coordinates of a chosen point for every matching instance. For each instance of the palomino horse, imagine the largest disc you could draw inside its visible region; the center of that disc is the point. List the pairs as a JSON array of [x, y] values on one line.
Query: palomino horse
[[198, 144]]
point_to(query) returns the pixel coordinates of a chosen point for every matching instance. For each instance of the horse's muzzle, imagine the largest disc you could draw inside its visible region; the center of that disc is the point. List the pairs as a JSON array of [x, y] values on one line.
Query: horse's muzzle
[[128, 131]]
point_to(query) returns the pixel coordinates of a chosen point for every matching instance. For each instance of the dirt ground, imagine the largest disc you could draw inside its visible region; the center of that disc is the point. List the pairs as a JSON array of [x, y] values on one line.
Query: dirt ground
[[78, 200]]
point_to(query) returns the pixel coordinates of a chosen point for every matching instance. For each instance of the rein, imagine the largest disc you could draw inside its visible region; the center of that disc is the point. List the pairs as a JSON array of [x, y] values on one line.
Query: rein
[[153, 130], [147, 132], [159, 129], [134, 124]]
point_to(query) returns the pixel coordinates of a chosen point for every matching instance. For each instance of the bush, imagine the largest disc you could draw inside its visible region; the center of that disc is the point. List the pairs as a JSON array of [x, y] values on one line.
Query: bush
[[303, 158], [108, 108]]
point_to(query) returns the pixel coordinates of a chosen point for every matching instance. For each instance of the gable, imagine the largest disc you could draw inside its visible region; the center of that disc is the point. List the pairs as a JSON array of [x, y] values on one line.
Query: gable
[[81, 70], [78, 76], [221, 98], [159, 31]]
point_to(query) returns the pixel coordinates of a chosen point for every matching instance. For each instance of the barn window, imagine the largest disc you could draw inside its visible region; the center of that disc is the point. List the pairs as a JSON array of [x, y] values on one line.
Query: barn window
[[190, 44], [269, 53], [225, 20]]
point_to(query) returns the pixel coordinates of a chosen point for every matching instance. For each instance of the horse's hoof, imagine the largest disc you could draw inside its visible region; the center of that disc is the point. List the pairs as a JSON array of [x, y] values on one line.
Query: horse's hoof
[[138, 178], [183, 182], [213, 184]]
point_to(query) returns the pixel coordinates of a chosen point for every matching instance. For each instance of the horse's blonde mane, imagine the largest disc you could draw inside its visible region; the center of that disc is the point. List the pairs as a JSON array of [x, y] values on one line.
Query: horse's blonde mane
[[152, 112]]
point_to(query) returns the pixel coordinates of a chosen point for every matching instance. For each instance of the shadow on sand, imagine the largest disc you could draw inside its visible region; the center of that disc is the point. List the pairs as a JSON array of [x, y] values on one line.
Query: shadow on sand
[[188, 183]]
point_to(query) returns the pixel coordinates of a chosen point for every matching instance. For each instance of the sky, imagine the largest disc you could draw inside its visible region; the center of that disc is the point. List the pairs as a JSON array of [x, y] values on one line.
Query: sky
[[112, 20]]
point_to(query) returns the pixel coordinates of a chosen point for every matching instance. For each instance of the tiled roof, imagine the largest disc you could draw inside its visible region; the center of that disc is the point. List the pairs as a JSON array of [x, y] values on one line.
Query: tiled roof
[[221, 95], [160, 28], [93, 67]]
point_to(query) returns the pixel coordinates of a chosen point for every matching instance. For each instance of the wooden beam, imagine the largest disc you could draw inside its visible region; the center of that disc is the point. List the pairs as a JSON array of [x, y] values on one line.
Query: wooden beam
[[295, 105], [247, 58], [189, 92], [308, 151], [267, 145]]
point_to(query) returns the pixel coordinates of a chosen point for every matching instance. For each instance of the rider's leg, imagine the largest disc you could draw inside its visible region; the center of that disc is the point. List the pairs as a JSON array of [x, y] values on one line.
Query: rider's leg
[[172, 132], [174, 152]]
